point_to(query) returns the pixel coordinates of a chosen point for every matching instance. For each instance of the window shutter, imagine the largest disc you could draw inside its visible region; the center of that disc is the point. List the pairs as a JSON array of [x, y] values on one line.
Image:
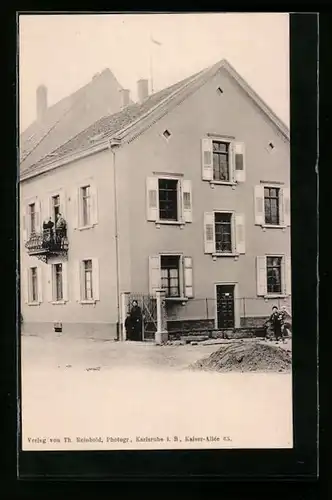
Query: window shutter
[[261, 275], [209, 233], [240, 233], [154, 274], [40, 283], [38, 216], [259, 205], [239, 160], [95, 279], [188, 277], [285, 204], [75, 215], [94, 204], [63, 204], [187, 200], [46, 210], [152, 198], [49, 282], [77, 267], [65, 280], [25, 224], [207, 160], [25, 285], [288, 275]]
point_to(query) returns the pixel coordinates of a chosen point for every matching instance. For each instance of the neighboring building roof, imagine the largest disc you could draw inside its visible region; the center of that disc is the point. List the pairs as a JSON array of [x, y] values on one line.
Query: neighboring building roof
[[126, 121], [65, 119]]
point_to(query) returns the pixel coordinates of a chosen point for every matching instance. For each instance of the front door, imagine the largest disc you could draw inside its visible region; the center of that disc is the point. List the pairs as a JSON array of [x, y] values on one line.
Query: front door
[[225, 306]]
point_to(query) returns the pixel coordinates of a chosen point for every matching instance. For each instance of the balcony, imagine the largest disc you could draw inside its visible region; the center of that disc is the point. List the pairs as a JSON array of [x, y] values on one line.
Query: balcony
[[49, 243]]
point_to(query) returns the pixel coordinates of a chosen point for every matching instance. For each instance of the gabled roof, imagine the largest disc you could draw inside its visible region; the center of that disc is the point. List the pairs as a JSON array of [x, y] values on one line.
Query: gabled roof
[[137, 116], [65, 119]]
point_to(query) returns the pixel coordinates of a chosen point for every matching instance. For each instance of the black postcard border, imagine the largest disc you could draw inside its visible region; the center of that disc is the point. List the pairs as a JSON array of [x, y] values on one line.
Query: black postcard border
[[230, 465]]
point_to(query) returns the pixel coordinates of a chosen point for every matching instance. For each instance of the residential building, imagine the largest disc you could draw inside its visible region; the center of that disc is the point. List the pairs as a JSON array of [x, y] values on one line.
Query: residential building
[[187, 190]]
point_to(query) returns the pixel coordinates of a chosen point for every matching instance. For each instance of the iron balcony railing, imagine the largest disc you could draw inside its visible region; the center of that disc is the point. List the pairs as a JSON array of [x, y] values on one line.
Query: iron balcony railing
[[48, 242]]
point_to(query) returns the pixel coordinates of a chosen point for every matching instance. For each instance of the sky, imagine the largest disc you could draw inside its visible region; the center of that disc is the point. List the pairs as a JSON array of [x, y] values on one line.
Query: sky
[[65, 51]]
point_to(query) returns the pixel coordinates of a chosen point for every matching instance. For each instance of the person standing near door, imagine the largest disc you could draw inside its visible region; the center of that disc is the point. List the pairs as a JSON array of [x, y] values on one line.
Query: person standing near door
[[136, 321]]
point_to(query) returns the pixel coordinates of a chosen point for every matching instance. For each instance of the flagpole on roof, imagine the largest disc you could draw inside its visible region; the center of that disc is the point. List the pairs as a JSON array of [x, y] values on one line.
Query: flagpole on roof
[[152, 42]]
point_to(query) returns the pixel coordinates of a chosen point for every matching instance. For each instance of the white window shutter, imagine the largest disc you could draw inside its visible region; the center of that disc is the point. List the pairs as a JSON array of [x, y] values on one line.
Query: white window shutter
[[154, 274], [207, 160], [259, 205], [25, 224], [239, 162], [261, 275], [75, 208], [95, 279], [38, 216], [288, 275], [188, 277], [49, 282], [77, 280], [40, 283], [63, 204], [187, 200], [285, 206], [65, 280], [209, 233], [25, 285], [240, 233], [94, 204], [152, 198]]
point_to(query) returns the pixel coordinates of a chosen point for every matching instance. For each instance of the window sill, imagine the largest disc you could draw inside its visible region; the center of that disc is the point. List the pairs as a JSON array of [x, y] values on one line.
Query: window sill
[[34, 303], [176, 299], [83, 228], [59, 302], [216, 255], [275, 296], [170, 223], [223, 183], [273, 226], [87, 302]]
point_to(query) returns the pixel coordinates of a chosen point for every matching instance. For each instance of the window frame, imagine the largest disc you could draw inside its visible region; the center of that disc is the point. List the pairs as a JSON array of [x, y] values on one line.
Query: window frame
[[233, 252], [55, 275], [282, 294], [229, 144], [273, 185], [31, 287], [178, 200], [279, 203], [85, 200], [32, 204], [53, 196], [180, 286], [180, 215], [84, 298]]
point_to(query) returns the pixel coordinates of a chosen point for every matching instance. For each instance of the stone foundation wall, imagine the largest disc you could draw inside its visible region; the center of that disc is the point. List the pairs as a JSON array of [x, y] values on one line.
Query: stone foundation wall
[[102, 331]]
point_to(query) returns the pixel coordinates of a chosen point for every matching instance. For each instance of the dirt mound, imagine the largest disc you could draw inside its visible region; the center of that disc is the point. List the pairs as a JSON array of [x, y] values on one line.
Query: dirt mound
[[246, 357]]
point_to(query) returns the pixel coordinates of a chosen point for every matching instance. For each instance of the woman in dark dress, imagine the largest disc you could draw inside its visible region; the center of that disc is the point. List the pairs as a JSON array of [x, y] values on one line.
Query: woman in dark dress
[[136, 321]]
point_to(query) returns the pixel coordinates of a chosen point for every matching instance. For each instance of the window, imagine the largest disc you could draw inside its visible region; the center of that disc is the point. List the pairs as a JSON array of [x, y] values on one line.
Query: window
[[58, 295], [271, 205], [173, 273], [223, 232], [34, 284], [170, 275], [168, 199], [273, 274], [87, 280], [86, 205], [221, 161], [55, 206], [32, 217]]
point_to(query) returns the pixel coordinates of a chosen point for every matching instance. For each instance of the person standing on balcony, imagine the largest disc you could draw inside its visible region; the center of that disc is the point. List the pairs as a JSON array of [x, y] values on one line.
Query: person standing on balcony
[[48, 231], [60, 228], [136, 321]]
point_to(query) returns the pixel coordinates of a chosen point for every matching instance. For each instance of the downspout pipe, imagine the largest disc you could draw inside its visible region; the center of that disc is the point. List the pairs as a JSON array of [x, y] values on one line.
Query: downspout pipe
[[113, 145]]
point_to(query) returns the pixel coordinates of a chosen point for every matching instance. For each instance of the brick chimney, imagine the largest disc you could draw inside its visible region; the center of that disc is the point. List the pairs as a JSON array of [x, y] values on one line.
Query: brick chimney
[[142, 90], [41, 96], [125, 98]]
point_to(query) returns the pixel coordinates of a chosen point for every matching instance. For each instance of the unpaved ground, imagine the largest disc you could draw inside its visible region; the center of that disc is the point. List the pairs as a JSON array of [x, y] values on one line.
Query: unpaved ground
[[90, 389]]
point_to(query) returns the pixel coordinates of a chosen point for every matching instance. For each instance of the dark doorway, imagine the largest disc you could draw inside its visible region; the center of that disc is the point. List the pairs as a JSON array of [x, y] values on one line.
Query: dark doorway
[[225, 306]]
